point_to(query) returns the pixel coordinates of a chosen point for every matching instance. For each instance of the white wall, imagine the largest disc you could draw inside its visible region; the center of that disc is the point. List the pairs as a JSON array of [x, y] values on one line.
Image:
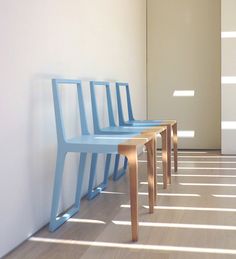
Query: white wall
[[228, 86], [43, 39], [184, 54]]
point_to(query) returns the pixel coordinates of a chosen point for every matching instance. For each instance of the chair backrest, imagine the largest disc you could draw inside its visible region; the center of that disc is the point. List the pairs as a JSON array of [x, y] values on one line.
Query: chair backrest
[[96, 120], [56, 84], [122, 121]]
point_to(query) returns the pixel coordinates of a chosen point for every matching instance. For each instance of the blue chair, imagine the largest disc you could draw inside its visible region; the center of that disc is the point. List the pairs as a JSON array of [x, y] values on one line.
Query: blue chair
[[149, 123], [114, 129], [106, 144]]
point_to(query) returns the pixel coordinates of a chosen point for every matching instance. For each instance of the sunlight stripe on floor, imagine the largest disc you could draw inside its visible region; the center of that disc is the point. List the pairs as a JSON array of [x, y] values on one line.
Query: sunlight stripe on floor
[[134, 246]]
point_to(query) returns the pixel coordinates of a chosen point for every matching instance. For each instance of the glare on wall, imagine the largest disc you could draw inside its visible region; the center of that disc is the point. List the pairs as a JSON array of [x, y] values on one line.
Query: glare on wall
[[228, 34], [186, 133], [228, 80], [183, 93], [228, 125]]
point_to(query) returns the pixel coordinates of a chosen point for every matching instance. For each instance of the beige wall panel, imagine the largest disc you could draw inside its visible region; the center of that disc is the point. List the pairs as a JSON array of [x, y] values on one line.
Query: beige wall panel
[[184, 54]]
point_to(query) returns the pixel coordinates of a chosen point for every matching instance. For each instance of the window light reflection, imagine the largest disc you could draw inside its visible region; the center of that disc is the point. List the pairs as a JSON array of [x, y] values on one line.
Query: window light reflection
[[145, 183], [193, 208], [93, 221], [173, 194], [176, 225], [223, 156], [207, 168], [185, 208], [209, 184], [117, 193], [159, 194], [133, 246], [223, 196], [203, 175], [203, 162]]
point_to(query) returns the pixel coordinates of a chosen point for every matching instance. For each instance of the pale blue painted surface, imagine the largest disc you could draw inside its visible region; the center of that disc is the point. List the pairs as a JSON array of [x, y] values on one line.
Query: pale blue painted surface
[[113, 128], [131, 121], [86, 143]]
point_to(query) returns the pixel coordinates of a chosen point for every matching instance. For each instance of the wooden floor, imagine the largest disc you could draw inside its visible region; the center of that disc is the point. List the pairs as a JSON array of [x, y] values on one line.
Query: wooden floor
[[195, 217]]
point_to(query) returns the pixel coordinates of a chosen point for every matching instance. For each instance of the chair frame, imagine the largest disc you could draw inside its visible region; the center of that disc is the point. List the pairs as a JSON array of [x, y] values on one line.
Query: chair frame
[[126, 145], [114, 129], [171, 124]]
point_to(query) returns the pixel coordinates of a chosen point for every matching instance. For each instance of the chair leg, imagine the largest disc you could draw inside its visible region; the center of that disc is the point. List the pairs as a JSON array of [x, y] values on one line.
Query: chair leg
[[93, 166], [119, 173], [131, 153], [151, 173], [133, 174], [92, 193], [106, 170], [164, 158], [54, 222], [80, 178], [155, 169], [175, 144], [169, 151]]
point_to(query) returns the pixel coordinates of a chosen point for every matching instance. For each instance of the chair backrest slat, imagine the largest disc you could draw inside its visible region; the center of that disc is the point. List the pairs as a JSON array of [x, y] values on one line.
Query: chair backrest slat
[[56, 84], [119, 103], [96, 121]]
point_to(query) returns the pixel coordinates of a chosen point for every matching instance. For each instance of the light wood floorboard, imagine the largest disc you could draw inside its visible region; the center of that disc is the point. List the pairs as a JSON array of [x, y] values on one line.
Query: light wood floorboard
[[189, 221]]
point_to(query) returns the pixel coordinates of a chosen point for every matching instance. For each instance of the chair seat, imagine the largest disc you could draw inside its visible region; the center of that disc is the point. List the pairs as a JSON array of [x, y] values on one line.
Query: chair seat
[[123, 130], [99, 143], [149, 123]]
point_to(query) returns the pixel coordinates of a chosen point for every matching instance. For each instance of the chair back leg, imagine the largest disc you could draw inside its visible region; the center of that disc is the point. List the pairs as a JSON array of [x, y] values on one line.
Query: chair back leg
[[57, 189], [119, 173], [80, 178]]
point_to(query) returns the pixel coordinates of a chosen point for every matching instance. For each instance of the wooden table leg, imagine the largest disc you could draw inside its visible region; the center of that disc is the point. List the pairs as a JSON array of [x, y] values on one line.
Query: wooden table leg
[[175, 141]]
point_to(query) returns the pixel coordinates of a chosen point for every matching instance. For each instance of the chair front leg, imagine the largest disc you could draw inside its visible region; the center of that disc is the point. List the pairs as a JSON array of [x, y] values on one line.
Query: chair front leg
[[152, 183], [169, 151], [164, 159], [175, 144], [131, 153]]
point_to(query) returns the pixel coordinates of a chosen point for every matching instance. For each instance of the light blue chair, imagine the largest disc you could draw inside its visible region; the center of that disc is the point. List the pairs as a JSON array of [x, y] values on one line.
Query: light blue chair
[[148, 123], [111, 129], [87, 143]]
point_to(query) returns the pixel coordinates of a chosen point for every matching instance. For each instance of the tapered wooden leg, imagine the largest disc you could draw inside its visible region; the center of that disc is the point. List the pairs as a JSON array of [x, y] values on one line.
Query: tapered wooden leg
[[151, 173], [133, 175], [175, 141], [131, 153], [155, 168], [169, 152], [164, 159]]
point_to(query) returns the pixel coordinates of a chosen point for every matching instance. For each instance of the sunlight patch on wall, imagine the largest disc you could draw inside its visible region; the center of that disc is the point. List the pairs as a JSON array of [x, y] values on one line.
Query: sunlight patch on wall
[[183, 93], [228, 34], [186, 133], [228, 125], [228, 80]]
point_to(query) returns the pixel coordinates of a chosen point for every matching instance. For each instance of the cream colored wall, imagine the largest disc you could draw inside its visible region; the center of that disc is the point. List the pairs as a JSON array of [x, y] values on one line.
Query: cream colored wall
[[228, 68], [87, 39], [184, 54]]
